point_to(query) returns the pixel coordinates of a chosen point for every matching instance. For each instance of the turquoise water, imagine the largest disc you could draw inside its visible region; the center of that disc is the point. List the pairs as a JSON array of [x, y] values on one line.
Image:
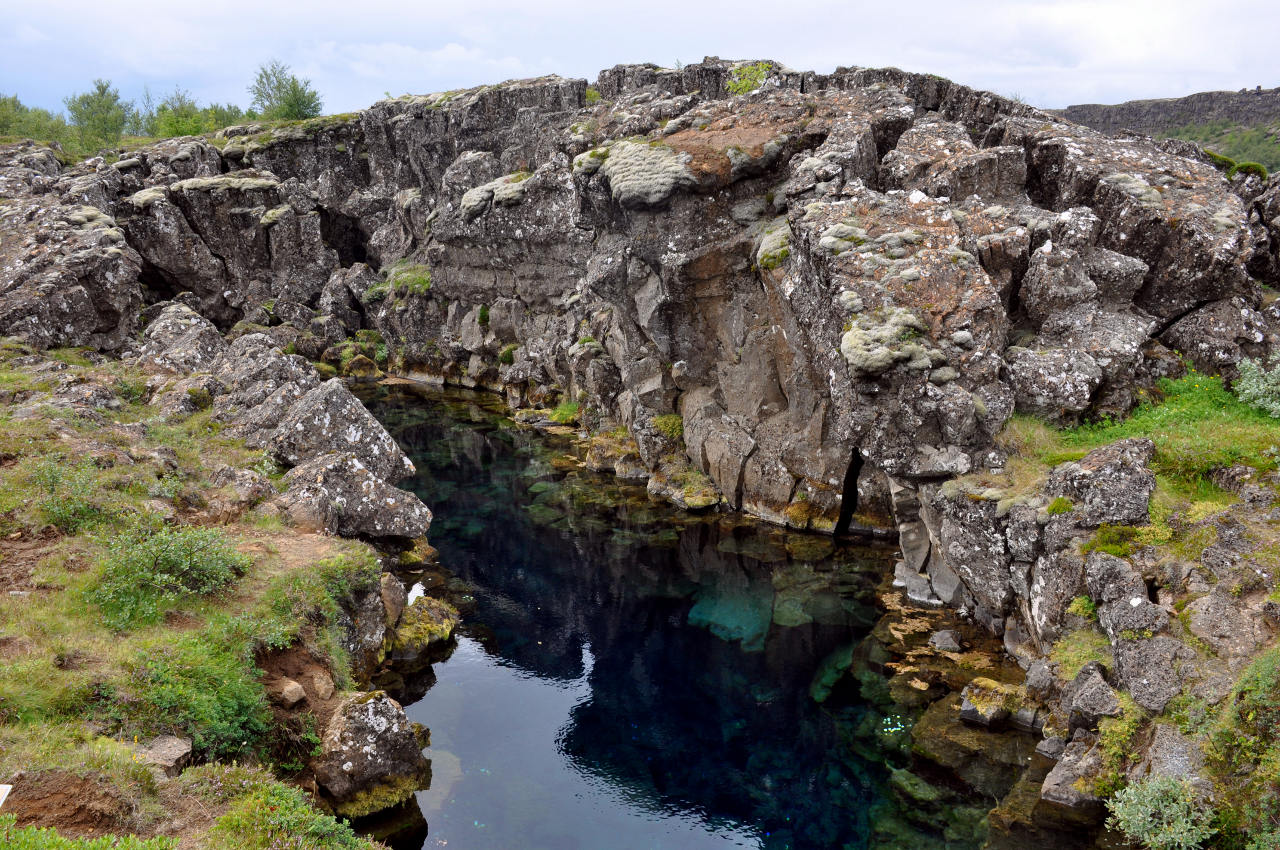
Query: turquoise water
[[628, 676]]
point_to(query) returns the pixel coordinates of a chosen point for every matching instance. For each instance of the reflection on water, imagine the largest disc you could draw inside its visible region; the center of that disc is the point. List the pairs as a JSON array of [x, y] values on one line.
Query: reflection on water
[[630, 677]]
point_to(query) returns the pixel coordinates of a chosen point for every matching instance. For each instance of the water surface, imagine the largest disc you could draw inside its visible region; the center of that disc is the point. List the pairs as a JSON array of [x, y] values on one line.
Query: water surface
[[629, 676]]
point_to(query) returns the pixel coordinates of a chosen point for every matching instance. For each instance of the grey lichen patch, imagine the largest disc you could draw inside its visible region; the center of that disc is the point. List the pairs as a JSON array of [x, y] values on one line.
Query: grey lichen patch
[[590, 161], [879, 340], [224, 182], [842, 237], [89, 217], [1135, 187], [273, 215], [644, 175], [506, 191], [1224, 220], [775, 245]]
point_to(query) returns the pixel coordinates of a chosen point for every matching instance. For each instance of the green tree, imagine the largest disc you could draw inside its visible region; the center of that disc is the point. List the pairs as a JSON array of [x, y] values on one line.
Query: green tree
[[22, 121], [278, 94], [99, 116]]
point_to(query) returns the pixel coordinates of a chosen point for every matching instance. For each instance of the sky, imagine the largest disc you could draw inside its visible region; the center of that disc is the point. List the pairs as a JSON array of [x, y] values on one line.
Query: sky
[[1051, 53]]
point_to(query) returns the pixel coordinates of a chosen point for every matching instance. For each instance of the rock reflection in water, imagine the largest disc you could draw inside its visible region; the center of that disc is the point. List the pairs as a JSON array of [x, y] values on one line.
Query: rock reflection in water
[[631, 676]]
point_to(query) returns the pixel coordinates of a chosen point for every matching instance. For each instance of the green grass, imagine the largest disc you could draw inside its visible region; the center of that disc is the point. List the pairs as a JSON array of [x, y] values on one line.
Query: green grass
[[1083, 606], [747, 78], [566, 412], [1197, 426], [1077, 649], [1060, 505], [33, 838], [1232, 141]]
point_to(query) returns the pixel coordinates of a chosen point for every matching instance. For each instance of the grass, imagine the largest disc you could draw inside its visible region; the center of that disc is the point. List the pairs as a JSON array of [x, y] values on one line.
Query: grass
[[670, 425], [1077, 649], [1234, 142], [566, 413], [1115, 741], [33, 838]]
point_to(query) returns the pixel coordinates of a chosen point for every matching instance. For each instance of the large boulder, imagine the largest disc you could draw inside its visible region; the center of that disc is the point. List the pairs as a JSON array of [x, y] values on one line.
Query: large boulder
[[330, 419], [371, 756], [336, 492]]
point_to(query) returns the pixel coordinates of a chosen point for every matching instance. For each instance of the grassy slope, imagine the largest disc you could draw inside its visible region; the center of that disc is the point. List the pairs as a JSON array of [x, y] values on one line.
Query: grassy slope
[[75, 693]]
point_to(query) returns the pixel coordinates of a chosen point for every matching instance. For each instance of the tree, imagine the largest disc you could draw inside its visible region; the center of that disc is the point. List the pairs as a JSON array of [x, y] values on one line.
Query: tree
[[99, 116], [278, 94]]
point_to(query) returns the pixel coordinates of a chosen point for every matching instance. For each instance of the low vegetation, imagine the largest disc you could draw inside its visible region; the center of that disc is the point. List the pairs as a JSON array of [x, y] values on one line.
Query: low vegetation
[[1162, 813], [745, 79], [1234, 142], [139, 611]]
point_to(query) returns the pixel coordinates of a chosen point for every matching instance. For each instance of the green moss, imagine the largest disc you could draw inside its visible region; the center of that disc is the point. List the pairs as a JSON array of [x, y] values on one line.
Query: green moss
[[379, 797], [507, 355], [1223, 163], [1060, 505], [1118, 540], [1083, 606], [1257, 169], [426, 622], [1116, 737]]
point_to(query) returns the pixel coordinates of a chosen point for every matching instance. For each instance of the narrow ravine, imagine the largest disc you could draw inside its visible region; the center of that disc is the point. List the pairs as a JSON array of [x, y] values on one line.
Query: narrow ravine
[[629, 676]]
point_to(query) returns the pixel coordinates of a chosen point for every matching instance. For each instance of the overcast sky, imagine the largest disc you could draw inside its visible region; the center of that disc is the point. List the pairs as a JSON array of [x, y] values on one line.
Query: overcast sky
[[1050, 53]]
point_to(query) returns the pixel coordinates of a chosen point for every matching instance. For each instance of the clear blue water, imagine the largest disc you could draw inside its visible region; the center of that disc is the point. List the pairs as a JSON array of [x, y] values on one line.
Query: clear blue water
[[628, 677]]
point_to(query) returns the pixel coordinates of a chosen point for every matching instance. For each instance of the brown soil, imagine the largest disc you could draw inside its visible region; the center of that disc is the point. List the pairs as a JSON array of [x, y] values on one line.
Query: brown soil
[[20, 554], [73, 805], [297, 663]]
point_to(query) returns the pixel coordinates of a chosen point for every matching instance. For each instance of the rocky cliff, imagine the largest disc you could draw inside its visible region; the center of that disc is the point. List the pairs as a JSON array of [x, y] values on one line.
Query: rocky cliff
[[815, 298], [1247, 107]]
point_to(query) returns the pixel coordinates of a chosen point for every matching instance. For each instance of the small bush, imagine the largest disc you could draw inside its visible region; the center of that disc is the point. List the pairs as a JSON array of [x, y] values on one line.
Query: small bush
[[32, 838], [1083, 606], [144, 569], [202, 686], [1259, 386], [508, 354], [281, 816], [378, 292], [66, 495], [1060, 505], [747, 78], [1163, 813], [670, 425], [592, 96], [483, 317], [566, 412]]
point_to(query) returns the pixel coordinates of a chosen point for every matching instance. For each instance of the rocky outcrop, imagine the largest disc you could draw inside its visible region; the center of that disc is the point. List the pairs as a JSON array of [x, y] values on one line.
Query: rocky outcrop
[[372, 756], [1247, 107], [867, 270]]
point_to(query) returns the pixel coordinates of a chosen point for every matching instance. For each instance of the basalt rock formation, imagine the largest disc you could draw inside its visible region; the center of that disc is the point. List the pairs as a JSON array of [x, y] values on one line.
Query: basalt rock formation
[[826, 293], [1248, 107]]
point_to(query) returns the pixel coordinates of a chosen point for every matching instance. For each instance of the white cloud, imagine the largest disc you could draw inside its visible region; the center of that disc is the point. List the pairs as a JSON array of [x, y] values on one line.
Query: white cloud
[[1052, 52]]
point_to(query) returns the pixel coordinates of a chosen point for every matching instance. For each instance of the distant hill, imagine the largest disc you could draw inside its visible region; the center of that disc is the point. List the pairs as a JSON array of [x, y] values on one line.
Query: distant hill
[[1244, 125]]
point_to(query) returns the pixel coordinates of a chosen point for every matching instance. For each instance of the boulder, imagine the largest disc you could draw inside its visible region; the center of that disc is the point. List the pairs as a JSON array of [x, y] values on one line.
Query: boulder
[[330, 419], [371, 756], [337, 492]]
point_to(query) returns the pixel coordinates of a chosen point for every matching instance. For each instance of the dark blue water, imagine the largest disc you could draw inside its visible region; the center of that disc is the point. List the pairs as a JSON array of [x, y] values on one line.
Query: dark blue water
[[628, 676]]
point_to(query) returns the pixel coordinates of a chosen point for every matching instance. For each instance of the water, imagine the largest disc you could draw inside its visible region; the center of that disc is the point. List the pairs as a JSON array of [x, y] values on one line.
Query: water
[[628, 676]]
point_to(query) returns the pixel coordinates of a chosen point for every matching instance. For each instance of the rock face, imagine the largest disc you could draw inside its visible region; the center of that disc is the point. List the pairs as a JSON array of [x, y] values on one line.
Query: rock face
[[1248, 107], [372, 756], [843, 276]]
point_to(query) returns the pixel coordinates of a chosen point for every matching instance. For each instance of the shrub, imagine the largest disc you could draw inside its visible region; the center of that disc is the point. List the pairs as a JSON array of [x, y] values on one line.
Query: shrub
[[66, 495], [592, 96], [142, 570], [508, 354], [670, 425], [275, 815], [33, 838], [1083, 606], [566, 413], [203, 686], [1163, 813], [483, 317], [1259, 386], [278, 94], [745, 79]]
